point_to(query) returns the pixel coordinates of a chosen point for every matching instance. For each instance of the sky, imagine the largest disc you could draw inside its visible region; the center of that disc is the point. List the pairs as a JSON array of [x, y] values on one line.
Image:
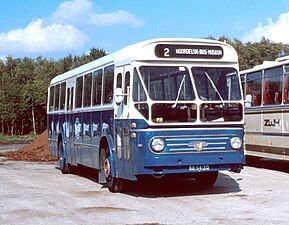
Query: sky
[[56, 28]]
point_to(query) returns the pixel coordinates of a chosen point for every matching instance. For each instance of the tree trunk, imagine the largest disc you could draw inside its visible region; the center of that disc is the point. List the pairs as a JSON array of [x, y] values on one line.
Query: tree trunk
[[12, 126], [33, 120]]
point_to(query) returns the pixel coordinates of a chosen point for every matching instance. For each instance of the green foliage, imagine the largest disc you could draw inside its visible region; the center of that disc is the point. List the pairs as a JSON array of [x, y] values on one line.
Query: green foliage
[[16, 139], [23, 90], [252, 54]]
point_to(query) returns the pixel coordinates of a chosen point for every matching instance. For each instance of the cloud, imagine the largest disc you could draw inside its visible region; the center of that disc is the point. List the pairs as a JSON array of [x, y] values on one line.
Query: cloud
[[81, 11], [72, 12], [115, 18], [63, 30], [38, 38], [275, 31]]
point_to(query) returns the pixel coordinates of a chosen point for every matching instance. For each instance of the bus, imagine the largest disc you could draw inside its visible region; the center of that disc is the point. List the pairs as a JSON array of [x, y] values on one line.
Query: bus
[[266, 91], [159, 107]]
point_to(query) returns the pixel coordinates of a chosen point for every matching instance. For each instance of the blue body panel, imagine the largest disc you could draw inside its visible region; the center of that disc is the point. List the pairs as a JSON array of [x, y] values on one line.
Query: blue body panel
[[179, 157], [81, 134]]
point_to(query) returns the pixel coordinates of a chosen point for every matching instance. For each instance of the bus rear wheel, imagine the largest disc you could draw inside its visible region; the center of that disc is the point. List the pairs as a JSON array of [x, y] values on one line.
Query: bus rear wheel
[[206, 179], [114, 184]]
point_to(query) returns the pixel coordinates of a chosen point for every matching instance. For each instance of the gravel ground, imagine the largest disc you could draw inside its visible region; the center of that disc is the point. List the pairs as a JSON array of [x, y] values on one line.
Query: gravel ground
[[37, 193]]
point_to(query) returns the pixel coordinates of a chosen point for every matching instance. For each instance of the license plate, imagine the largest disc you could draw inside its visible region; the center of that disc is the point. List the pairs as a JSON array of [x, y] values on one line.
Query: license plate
[[199, 168]]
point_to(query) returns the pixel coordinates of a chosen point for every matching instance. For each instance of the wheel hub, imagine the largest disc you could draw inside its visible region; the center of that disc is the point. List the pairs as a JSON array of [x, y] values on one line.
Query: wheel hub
[[106, 168]]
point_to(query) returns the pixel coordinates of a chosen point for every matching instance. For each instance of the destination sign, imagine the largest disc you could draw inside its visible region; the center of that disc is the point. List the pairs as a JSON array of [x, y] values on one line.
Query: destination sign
[[188, 51]]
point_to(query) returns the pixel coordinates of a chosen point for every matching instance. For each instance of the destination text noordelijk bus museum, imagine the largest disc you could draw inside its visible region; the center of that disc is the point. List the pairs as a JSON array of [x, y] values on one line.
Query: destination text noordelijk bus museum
[[158, 107]]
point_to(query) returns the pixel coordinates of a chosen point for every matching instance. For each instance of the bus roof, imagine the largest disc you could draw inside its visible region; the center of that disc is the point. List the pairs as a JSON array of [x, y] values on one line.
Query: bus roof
[[145, 51], [267, 64]]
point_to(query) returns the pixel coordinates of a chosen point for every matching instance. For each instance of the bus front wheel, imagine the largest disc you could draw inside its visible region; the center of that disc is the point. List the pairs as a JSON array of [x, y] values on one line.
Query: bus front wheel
[[114, 184]]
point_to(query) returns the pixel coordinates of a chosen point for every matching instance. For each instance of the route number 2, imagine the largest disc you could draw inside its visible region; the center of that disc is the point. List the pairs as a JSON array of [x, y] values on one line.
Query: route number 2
[[166, 52]]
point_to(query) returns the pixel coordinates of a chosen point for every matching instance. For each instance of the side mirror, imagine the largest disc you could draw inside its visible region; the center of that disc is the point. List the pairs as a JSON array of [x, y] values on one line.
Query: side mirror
[[248, 101], [118, 95]]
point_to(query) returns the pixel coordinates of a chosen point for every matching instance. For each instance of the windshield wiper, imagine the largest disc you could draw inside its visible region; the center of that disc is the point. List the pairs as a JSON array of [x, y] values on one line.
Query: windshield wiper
[[179, 92], [215, 88]]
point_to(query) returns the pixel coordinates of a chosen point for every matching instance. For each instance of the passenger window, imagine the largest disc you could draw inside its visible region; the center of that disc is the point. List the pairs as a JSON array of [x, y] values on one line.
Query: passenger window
[[108, 84], [87, 90], [78, 94], [272, 86], [51, 99], [286, 85], [97, 85], [68, 100], [119, 80], [71, 98], [126, 85], [56, 103], [138, 94], [253, 87], [62, 95], [243, 84]]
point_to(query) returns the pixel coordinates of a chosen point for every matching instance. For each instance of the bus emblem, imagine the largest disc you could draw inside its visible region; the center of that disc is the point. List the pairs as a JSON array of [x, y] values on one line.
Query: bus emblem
[[198, 145]]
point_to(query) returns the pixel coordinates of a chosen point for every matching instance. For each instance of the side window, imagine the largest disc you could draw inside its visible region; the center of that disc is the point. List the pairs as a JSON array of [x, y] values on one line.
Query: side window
[[119, 80], [126, 86], [253, 87], [108, 84], [78, 92], [138, 94], [243, 84], [87, 90], [51, 99], [56, 103], [71, 98], [286, 85], [272, 86], [68, 100], [62, 95], [96, 90]]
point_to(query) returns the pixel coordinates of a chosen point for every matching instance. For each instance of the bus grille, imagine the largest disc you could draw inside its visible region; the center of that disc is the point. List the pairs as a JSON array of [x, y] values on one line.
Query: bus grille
[[197, 144]]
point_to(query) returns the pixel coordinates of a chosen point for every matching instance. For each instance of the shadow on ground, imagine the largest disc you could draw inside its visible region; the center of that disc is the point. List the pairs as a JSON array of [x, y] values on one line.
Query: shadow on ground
[[278, 165], [168, 186]]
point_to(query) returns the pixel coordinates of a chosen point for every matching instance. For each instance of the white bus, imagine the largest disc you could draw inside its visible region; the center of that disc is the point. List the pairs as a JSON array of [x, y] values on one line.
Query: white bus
[[162, 106], [266, 91]]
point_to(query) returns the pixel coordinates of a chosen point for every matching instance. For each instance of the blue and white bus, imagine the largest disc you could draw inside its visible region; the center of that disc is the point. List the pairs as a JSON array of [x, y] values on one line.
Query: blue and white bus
[[158, 107]]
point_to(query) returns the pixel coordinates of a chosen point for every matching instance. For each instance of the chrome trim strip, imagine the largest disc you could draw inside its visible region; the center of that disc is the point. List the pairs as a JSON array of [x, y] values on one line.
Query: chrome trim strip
[[86, 145], [193, 149], [198, 139], [190, 129], [266, 133], [52, 139], [266, 155], [195, 152], [186, 144]]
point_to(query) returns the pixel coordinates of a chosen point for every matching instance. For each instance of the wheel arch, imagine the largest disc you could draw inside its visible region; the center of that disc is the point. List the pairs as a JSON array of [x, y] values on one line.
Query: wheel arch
[[106, 142]]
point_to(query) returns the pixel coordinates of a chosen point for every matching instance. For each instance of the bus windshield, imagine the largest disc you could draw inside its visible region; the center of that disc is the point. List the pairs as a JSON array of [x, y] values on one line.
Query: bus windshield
[[165, 83], [215, 84]]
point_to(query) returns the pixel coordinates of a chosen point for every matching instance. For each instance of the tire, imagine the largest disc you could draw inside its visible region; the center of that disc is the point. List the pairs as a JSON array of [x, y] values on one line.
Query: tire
[[64, 167], [113, 184], [206, 179]]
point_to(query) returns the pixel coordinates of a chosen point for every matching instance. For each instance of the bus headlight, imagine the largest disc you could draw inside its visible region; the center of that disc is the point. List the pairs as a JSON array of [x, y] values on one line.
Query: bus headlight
[[236, 143], [158, 145]]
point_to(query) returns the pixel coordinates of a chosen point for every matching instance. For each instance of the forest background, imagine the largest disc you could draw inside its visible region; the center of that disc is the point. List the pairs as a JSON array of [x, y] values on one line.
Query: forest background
[[24, 81]]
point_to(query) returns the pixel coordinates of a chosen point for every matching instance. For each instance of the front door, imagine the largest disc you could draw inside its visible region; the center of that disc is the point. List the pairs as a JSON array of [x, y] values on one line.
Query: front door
[[70, 124], [123, 155]]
